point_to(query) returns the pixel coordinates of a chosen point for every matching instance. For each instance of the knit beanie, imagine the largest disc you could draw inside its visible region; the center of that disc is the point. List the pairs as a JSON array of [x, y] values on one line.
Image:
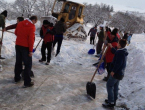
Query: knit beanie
[[45, 22]]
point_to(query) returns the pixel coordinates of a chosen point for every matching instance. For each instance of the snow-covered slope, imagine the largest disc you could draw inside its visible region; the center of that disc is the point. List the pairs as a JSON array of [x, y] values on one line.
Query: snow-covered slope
[[132, 87]]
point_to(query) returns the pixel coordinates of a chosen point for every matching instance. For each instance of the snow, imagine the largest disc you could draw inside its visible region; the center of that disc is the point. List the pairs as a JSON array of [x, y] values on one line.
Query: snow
[[133, 85], [61, 85], [73, 30]]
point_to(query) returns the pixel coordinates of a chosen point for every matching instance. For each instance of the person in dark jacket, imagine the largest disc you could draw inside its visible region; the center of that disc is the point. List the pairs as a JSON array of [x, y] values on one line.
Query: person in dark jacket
[[100, 41], [92, 34], [117, 68], [125, 36], [13, 26], [59, 28], [3, 15], [48, 39]]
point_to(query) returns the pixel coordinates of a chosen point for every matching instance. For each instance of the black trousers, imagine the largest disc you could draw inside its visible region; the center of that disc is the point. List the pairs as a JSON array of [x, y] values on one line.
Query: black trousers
[[92, 39], [99, 47], [59, 41], [47, 46], [22, 54]]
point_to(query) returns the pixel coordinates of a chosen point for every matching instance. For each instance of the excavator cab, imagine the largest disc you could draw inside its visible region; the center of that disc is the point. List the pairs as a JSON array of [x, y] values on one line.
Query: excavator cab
[[72, 13]]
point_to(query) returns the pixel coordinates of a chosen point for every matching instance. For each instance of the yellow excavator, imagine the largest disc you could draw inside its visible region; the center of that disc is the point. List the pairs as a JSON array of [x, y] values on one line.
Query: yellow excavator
[[72, 13]]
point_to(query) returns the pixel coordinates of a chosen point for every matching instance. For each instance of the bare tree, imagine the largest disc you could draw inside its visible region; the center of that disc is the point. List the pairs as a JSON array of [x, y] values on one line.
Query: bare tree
[[96, 13], [24, 8], [43, 7], [127, 22]]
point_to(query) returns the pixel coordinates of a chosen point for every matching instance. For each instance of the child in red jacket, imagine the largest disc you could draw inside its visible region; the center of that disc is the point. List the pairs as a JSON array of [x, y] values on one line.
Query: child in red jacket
[[48, 39], [113, 39]]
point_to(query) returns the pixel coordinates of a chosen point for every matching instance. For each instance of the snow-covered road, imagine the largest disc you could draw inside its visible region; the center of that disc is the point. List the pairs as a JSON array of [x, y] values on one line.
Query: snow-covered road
[[62, 84]]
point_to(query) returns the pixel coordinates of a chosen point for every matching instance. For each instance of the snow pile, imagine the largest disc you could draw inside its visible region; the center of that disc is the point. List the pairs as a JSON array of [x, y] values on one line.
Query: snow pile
[[76, 30], [132, 87], [70, 50]]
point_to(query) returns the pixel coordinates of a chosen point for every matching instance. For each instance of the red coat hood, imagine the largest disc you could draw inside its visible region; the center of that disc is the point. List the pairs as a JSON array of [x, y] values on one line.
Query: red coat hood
[[27, 23]]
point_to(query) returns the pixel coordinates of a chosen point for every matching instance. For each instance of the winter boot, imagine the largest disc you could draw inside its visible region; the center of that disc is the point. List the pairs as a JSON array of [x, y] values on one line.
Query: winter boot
[[108, 105], [105, 79], [56, 54], [47, 63], [98, 55], [16, 80], [29, 85], [106, 101], [41, 61]]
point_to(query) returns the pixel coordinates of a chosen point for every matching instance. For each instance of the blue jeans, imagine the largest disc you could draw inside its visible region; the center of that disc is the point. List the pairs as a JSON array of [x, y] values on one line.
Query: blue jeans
[[22, 54], [112, 89]]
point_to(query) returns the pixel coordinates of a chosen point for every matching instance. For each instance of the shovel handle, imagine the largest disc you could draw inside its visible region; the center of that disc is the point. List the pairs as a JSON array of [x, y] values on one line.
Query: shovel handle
[[1, 42], [99, 63], [37, 45], [9, 32]]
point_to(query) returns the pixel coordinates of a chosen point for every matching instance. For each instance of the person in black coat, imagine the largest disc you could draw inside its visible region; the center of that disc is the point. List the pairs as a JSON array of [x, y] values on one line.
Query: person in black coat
[[92, 34], [59, 30], [125, 36], [117, 69], [100, 41]]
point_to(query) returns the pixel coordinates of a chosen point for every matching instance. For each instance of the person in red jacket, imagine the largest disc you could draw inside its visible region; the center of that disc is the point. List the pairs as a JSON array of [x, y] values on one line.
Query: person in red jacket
[[13, 26], [113, 39], [25, 32], [48, 39]]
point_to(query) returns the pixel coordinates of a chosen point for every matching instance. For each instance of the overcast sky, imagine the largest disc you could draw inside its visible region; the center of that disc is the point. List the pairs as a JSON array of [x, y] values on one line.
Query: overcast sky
[[131, 5]]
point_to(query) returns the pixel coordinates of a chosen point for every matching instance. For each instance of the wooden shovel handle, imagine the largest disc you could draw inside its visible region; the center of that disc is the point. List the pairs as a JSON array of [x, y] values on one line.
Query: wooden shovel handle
[[38, 44], [100, 63], [1, 42], [9, 32]]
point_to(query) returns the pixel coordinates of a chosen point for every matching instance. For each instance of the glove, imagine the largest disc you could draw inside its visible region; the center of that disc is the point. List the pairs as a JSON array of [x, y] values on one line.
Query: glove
[[34, 50], [48, 30], [106, 42]]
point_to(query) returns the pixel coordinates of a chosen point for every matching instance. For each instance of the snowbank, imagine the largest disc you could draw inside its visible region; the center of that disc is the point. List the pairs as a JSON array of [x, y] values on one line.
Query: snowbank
[[132, 87]]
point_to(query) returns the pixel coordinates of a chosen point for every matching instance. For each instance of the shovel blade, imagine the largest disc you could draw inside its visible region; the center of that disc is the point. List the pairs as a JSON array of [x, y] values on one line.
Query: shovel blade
[[91, 51], [91, 89]]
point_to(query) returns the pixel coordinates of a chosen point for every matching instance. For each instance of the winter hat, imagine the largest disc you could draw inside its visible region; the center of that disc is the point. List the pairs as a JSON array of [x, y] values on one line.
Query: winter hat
[[113, 33], [45, 22], [20, 18], [115, 30], [95, 26], [4, 13]]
